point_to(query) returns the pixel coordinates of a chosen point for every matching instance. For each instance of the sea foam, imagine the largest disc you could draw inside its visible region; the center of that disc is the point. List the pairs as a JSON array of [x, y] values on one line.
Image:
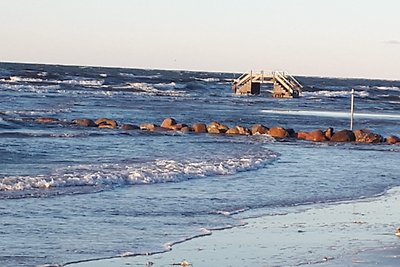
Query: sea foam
[[157, 171], [334, 94], [155, 90], [71, 81]]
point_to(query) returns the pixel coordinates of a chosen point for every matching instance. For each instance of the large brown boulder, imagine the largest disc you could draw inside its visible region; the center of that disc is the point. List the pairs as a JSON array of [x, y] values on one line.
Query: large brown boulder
[[106, 123], [46, 120], [199, 128], [392, 139], [85, 122], [366, 136], [128, 126], [216, 128], [232, 131], [213, 130], [243, 130], [302, 135], [168, 123], [259, 129], [149, 126], [278, 132], [316, 136], [343, 136]]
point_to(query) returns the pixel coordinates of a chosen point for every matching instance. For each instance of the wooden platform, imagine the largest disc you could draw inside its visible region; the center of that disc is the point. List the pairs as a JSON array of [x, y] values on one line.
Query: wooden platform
[[284, 85]]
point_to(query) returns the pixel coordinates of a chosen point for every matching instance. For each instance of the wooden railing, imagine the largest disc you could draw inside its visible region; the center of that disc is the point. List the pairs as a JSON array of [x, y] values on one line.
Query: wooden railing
[[284, 79]]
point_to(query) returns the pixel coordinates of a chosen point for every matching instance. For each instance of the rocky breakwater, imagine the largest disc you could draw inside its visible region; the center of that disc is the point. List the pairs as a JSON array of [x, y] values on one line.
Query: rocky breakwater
[[170, 124]]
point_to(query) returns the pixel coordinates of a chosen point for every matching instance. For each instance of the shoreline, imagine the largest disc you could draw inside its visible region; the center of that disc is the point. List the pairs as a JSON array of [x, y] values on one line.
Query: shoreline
[[350, 233]]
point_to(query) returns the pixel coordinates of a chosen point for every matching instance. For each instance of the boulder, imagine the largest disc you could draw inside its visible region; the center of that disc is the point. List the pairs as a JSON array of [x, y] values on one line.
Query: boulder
[[177, 127], [168, 123], [343, 136], [149, 126], [199, 128], [291, 132], [392, 139], [46, 120], [106, 123], [259, 129], [85, 122], [216, 128], [128, 126], [329, 133], [302, 135], [243, 130], [160, 129], [316, 136], [106, 126], [232, 131], [185, 129], [366, 136], [278, 132], [214, 131]]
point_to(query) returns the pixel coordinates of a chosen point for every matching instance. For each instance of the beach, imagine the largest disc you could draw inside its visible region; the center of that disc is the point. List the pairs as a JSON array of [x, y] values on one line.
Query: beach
[[356, 233], [199, 133], [78, 185]]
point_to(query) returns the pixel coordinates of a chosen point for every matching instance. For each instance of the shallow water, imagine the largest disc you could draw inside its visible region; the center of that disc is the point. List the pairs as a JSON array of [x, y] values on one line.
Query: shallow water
[[69, 193]]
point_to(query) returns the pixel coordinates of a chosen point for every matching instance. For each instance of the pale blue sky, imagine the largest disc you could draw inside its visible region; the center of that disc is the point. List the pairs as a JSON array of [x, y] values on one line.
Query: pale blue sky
[[336, 38]]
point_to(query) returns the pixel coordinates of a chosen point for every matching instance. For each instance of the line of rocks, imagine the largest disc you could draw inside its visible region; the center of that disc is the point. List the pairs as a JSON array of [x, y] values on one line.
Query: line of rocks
[[170, 124]]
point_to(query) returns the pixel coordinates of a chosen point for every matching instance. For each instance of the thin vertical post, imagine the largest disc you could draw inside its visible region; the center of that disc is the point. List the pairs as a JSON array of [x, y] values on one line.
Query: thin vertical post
[[352, 110], [262, 77]]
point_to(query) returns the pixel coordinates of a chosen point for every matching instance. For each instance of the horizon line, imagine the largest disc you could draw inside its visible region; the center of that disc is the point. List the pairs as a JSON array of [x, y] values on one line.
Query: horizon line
[[187, 70]]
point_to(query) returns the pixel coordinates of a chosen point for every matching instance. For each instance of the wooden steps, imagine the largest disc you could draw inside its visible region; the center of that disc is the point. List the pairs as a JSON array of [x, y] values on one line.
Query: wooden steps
[[284, 85]]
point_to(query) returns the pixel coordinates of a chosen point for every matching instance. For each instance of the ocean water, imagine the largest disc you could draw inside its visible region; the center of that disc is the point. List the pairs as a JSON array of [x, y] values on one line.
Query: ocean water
[[70, 193]]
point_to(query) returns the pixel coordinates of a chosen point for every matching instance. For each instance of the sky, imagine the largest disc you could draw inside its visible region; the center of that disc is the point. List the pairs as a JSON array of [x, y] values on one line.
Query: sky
[[329, 38]]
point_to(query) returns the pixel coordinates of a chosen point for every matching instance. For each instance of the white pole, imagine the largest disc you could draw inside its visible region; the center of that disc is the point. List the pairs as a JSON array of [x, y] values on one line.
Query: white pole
[[262, 77], [352, 110]]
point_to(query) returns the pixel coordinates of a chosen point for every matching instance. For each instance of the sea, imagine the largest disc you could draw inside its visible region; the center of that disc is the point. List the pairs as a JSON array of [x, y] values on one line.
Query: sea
[[70, 193]]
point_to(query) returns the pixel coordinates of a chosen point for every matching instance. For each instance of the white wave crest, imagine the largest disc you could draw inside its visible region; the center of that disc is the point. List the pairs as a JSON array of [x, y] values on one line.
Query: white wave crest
[[208, 79], [326, 93], [72, 81], [148, 89], [16, 79], [131, 75], [158, 171], [169, 86], [37, 112], [40, 89], [82, 82], [387, 88]]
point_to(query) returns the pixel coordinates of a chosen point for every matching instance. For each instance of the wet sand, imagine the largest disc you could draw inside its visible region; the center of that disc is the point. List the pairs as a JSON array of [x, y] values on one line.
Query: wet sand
[[359, 233]]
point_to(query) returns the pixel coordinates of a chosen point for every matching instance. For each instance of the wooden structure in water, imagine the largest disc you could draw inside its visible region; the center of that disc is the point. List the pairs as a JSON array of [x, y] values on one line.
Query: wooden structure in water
[[284, 85]]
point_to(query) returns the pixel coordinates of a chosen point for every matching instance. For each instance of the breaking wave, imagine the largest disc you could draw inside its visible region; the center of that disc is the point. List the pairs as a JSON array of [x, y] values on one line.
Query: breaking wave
[[40, 89], [157, 171], [155, 90], [327, 93], [131, 75], [386, 88], [208, 79], [15, 79], [169, 86], [72, 81], [81, 82], [37, 112]]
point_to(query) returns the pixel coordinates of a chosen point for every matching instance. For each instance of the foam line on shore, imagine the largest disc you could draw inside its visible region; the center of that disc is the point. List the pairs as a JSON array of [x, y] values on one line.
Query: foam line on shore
[[322, 235]]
